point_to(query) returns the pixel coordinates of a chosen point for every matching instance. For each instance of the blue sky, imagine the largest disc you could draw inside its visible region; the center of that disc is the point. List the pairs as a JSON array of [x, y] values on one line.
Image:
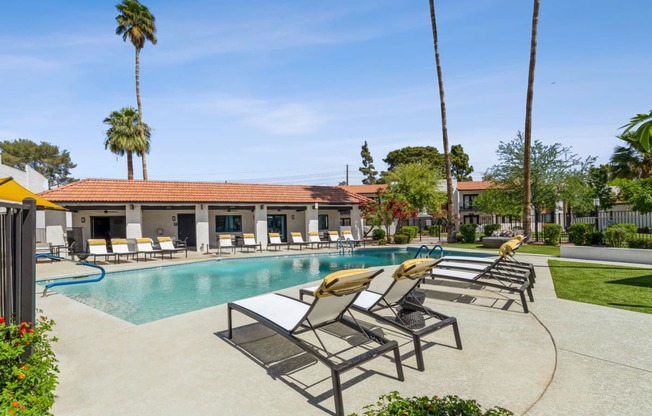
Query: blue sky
[[288, 91]]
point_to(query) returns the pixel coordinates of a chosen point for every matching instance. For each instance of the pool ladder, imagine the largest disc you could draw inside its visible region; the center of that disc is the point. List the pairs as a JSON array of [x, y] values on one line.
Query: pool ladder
[[342, 245], [71, 282], [429, 253]]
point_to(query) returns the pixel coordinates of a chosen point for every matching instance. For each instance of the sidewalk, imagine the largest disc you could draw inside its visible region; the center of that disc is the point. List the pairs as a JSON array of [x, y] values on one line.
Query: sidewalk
[[563, 358]]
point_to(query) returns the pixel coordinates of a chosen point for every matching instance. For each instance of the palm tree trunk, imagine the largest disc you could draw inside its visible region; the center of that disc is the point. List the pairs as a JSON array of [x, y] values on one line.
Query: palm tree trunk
[[130, 166], [444, 128], [140, 111], [527, 148]]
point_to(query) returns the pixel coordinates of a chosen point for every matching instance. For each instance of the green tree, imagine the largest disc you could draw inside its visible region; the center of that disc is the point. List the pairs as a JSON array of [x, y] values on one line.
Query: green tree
[[368, 169], [556, 175], [598, 181], [637, 193], [44, 158], [630, 161], [527, 151], [417, 185], [385, 210], [136, 23], [444, 128], [640, 129], [124, 136], [497, 201], [423, 155], [460, 164]]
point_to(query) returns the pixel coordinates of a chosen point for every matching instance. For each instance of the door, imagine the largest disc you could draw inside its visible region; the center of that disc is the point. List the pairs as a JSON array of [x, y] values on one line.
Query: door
[[187, 229], [277, 224]]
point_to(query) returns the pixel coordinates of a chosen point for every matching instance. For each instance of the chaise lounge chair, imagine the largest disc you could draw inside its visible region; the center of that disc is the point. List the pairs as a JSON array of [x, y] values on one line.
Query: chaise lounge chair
[[297, 240], [314, 240], [224, 243], [97, 248], [167, 246], [492, 275], [120, 247], [403, 281], [291, 317], [333, 238], [145, 246], [250, 242], [348, 236], [275, 241]]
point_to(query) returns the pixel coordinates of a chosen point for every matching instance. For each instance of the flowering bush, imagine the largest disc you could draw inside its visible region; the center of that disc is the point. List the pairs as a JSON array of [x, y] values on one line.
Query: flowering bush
[[27, 380], [393, 404]]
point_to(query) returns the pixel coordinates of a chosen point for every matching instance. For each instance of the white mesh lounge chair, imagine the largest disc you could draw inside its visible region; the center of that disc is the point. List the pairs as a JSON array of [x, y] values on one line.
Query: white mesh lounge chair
[[491, 275], [347, 235], [275, 242], [250, 242], [145, 247], [167, 246], [291, 317], [333, 238], [97, 248], [120, 247], [383, 306], [297, 240], [224, 242], [315, 241]]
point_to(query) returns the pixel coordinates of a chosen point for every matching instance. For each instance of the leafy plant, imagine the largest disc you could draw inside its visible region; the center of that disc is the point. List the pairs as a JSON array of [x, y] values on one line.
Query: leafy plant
[[552, 234], [616, 235], [411, 230], [401, 238], [382, 242], [468, 233], [581, 234], [490, 228], [378, 234], [639, 242], [393, 404], [27, 380]]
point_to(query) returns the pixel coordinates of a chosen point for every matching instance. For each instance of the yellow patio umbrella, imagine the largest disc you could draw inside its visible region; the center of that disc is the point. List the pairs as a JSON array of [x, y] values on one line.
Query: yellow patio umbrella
[[12, 191]]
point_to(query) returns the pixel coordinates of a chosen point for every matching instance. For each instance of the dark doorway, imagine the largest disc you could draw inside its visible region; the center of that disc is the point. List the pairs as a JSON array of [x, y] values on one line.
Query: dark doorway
[[277, 224], [187, 229], [108, 227]]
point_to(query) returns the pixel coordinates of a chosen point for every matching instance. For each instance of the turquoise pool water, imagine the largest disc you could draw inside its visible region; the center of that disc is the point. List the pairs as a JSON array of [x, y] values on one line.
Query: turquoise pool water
[[147, 295]]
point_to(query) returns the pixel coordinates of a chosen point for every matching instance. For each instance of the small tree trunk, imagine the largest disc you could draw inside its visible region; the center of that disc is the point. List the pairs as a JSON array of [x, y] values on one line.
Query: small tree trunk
[[130, 166]]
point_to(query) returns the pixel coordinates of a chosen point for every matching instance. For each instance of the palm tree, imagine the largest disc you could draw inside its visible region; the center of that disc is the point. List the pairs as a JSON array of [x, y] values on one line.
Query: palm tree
[[527, 149], [136, 23], [444, 129], [631, 161], [125, 136], [640, 129]]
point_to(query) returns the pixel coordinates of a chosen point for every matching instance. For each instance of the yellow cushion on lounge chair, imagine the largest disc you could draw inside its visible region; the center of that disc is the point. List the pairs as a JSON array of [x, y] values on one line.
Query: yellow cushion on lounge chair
[[97, 242], [225, 236], [248, 236], [333, 233], [413, 268], [296, 234], [519, 237], [274, 234], [313, 233], [508, 247], [344, 282], [143, 240], [119, 241], [164, 239]]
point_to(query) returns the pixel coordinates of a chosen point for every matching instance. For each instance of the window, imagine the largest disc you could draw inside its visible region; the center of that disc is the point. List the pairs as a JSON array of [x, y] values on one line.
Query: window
[[323, 222], [467, 201], [228, 223], [345, 222]]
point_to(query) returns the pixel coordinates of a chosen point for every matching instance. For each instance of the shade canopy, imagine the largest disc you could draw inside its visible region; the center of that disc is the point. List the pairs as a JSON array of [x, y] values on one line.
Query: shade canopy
[[12, 191]]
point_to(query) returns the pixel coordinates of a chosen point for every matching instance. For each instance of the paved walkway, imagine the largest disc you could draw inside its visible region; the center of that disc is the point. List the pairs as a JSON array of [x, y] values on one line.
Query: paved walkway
[[562, 358]]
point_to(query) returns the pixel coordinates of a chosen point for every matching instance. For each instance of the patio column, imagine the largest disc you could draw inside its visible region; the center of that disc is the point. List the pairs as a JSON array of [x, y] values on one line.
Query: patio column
[[134, 221], [260, 224], [201, 224], [357, 223], [312, 217]]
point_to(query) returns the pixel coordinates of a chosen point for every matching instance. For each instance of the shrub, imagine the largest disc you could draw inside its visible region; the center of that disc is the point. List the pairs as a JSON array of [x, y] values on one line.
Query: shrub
[[382, 242], [27, 381], [490, 228], [616, 235], [433, 230], [468, 233], [639, 242], [393, 404], [401, 238], [551, 234], [411, 230], [581, 234], [378, 234], [644, 230]]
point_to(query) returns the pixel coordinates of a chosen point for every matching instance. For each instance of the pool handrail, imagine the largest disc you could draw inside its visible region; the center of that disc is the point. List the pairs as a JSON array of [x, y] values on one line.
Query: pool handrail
[[71, 282], [341, 245], [437, 246]]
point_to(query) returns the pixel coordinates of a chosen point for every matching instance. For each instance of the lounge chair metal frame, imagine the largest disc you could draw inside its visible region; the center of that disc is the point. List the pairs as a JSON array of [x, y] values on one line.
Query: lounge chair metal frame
[[100, 243], [249, 236], [300, 243], [304, 325], [399, 323], [220, 247], [275, 241], [167, 247]]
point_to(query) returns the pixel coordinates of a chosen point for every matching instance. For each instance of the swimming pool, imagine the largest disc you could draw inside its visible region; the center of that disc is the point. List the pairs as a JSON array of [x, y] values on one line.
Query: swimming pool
[[146, 295]]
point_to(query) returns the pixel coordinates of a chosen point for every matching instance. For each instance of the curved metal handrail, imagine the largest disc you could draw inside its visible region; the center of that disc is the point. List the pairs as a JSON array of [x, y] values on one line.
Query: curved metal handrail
[[71, 282], [419, 250], [437, 246]]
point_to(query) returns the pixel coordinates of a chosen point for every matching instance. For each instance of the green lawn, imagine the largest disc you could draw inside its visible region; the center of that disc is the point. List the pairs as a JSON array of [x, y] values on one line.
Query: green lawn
[[601, 284], [525, 249]]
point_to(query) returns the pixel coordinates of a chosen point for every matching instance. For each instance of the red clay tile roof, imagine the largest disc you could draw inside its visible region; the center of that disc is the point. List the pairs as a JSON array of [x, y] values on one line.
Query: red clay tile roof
[[138, 191], [473, 185], [364, 189]]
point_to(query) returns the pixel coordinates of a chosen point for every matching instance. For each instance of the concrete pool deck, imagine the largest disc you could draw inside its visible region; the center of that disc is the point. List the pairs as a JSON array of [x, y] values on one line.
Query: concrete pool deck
[[562, 358]]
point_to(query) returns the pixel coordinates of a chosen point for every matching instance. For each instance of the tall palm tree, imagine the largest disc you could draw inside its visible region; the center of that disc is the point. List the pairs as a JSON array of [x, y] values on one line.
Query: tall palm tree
[[630, 161], [527, 148], [125, 136], [136, 23], [444, 128]]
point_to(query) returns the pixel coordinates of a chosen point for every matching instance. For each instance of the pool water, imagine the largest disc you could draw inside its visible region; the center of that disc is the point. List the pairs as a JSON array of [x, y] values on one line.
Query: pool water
[[147, 295]]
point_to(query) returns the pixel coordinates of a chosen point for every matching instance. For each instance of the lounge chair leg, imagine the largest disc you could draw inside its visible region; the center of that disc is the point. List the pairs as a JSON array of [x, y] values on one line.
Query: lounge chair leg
[[337, 393], [530, 295], [524, 302], [399, 366], [230, 334], [418, 352]]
